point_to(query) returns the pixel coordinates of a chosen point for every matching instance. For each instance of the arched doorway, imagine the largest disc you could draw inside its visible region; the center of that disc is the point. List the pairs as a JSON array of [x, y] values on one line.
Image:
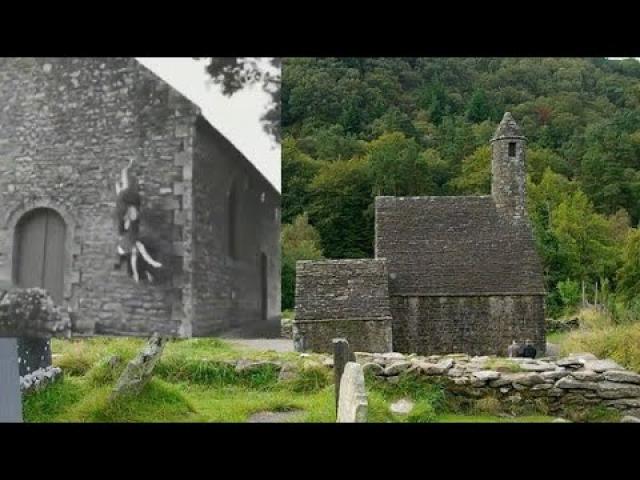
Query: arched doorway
[[39, 256], [39, 251]]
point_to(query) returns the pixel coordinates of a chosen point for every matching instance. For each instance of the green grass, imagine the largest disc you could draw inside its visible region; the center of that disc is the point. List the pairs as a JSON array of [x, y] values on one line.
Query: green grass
[[600, 336], [194, 381], [503, 365], [556, 337]]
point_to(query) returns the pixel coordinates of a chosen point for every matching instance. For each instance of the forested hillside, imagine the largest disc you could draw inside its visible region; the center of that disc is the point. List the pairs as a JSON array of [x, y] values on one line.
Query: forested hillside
[[355, 128]]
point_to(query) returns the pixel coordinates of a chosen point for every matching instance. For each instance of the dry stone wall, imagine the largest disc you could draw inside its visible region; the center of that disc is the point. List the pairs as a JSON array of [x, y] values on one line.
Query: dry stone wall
[[559, 386]]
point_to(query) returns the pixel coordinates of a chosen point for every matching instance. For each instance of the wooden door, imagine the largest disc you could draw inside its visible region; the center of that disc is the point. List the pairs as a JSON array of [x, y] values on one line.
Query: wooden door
[[39, 262], [40, 258]]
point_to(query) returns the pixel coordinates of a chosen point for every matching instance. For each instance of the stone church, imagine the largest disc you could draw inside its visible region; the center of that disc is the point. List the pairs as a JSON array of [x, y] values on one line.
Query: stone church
[[451, 274], [67, 128]]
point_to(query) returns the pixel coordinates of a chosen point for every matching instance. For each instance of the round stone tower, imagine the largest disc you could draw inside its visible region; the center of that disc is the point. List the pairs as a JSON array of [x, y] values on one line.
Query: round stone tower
[[508, 173]]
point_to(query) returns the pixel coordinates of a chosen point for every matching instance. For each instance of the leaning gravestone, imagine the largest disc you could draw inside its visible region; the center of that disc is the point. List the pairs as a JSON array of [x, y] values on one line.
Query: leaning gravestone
[[341, 355], [353, 403], [139, 370], [23, 313]]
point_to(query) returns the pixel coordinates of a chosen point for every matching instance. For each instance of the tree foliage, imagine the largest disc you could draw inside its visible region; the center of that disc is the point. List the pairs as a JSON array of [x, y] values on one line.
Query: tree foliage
[[299, 241], [363, 127], [235, 73]]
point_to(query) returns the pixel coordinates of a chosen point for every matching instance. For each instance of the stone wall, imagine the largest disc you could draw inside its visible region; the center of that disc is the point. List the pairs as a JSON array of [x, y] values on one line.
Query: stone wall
[[477, 325], [67, 128], [342, 298], [562, 387], [229, 193]]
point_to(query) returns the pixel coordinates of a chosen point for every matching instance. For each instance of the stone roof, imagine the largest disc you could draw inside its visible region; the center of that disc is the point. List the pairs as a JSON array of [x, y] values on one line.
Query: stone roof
[[508, 128], [455, 246]]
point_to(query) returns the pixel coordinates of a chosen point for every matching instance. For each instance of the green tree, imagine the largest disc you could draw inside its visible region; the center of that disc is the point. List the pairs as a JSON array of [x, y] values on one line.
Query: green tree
[[397, 167], [298, 171], [542, 200], [331, 143], [539, 159], [585, 238], [436, 102], [479, 108], [570, 292], [475, 177], [628, 276], [341, 208], [299, 241]]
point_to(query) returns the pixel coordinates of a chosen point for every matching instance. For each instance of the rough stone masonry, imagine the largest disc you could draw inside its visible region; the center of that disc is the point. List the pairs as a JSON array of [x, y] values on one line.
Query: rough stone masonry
[[342, 299], [560, 386], [462, 273], [67, 128]]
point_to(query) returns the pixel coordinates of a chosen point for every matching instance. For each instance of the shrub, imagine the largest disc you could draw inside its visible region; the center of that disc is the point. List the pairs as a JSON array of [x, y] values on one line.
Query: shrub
[[570, 293]]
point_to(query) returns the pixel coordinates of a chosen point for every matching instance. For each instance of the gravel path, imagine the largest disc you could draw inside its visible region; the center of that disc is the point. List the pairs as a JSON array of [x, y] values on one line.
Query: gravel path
[[277, 344], [275, 417]]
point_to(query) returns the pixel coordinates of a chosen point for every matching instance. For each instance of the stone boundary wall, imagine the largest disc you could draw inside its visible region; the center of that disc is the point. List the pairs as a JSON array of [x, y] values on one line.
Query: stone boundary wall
[[557, 385]]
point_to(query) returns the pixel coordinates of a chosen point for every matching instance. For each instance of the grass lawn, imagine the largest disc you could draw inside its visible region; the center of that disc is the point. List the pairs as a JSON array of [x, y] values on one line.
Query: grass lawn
[[192, 383], [557, 337]]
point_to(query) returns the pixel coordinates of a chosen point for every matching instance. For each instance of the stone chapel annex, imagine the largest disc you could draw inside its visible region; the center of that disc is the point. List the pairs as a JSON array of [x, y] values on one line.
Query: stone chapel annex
[[450, 274], [67, 128]]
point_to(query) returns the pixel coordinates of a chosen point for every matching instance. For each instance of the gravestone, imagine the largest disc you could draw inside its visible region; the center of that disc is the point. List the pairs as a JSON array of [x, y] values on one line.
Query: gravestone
[[341, 355], [353, 403], [31, 315], [33, 354], [10, 398], [139, 370]]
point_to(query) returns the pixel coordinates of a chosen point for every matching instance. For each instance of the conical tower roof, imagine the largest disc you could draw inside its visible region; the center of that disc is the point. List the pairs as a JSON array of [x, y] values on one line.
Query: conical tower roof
[[508, 128]]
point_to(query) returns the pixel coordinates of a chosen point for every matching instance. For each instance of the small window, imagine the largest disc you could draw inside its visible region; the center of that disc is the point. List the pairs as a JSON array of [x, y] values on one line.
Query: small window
[[512, 149]]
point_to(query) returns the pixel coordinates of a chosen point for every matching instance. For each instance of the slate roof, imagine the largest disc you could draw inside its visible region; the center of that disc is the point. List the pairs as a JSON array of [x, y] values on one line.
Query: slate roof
[[455, 246]]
